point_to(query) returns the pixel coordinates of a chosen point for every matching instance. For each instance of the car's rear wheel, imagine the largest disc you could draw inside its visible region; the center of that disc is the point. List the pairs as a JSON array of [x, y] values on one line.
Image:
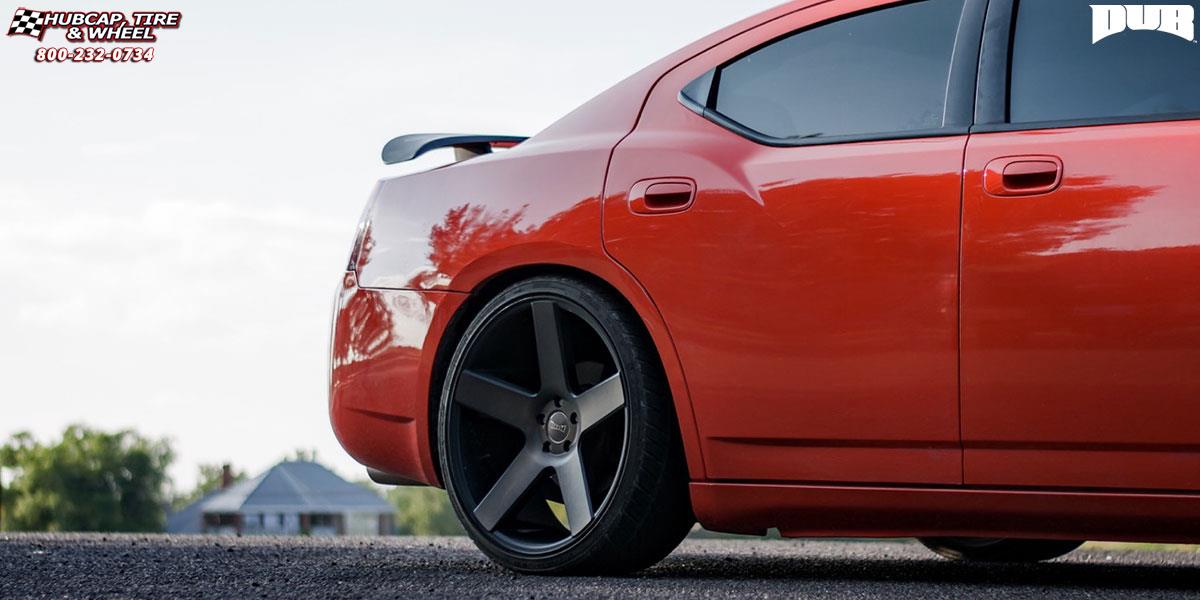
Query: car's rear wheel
[[1000, 549], [557, 437]]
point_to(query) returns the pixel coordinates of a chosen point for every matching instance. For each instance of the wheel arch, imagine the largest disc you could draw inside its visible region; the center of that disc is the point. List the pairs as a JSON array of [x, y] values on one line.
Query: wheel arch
[[615, 280]]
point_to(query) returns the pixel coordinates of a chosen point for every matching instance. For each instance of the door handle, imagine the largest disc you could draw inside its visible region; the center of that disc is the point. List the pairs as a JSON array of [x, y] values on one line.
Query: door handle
[[662, 196], [1023, 175]]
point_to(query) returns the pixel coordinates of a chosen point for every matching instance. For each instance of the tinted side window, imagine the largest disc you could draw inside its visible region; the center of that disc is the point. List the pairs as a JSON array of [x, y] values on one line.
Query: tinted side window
[[1058, 73], [879, 72]]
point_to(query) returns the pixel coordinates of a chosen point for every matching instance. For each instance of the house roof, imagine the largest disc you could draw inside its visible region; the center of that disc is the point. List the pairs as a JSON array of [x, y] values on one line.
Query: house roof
[[289, 487]]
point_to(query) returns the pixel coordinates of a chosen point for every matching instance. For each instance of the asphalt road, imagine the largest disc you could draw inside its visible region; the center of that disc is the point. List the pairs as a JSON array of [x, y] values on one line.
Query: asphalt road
[[95, 566]]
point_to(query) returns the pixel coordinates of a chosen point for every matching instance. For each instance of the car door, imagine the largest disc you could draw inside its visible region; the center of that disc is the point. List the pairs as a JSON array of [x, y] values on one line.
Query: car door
[[790, 199], [1081, 250]]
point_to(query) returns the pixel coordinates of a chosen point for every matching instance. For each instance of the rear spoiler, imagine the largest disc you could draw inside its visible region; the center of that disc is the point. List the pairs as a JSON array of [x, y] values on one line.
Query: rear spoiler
[[408, 147]]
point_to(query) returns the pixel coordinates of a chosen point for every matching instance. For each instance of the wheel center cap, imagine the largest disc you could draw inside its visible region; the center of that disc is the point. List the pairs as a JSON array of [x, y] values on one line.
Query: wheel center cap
[[558, 427]]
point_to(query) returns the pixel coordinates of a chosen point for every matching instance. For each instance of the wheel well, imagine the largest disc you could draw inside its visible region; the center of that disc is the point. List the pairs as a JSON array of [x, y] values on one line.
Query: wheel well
[[480, 296]]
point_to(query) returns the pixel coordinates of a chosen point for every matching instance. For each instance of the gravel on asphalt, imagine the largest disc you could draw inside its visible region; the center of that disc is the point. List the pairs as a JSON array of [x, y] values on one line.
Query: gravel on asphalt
[[156, 566]]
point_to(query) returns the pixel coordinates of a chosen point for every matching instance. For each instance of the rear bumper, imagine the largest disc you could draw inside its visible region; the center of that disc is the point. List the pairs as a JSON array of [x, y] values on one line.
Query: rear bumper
[[381, 360]]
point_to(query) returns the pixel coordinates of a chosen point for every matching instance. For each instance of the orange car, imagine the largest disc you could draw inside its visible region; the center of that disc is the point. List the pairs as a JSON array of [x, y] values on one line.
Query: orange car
[[846, 268]]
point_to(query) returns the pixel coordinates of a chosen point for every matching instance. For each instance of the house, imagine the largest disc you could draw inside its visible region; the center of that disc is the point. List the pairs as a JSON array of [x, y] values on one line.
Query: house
[[291, 498]]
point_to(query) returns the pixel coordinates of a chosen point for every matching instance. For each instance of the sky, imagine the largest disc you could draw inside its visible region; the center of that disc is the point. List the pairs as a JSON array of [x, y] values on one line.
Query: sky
[[172, 233]]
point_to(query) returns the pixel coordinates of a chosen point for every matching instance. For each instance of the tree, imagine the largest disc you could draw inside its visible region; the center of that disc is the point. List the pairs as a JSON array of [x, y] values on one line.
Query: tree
[[423, 511], [208, 478], [87, 481]]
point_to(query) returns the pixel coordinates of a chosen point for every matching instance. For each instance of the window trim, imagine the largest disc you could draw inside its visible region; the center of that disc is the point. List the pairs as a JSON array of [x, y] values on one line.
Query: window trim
[[961, 88], [993, 94], [1078, 123]]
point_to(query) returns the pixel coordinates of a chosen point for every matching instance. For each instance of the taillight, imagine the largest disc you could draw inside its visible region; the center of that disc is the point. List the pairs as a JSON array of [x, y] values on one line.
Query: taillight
[[358, 241], [360, 236]]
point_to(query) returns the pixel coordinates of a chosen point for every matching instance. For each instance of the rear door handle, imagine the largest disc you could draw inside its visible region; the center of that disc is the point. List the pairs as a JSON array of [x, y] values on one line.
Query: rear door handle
[[1023, 175], [662, 196]]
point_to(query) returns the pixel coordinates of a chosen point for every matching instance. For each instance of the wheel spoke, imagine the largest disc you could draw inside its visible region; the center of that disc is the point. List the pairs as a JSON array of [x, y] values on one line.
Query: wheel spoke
[[495, 398], [508, 489], [551, 363], [573, 484], [600, 401]]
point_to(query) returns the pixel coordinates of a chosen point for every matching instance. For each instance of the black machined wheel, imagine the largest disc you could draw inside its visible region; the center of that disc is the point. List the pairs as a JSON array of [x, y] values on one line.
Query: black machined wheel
[[999, 549], [558, 443], [552, 422]]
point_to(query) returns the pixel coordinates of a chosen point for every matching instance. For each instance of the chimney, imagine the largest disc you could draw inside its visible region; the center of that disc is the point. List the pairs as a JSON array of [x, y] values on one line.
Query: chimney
[[226, 475]]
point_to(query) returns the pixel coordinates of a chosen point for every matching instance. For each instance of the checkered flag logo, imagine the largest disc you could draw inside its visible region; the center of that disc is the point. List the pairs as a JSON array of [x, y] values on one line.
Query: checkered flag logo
[[28, 22]]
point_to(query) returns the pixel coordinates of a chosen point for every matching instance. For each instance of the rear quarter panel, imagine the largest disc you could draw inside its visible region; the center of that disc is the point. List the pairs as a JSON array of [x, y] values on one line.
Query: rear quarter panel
[[429, 241]]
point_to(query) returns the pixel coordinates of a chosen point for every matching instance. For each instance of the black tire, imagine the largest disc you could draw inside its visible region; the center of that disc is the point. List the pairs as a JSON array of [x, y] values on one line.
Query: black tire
[[640, 512], [999, 549]]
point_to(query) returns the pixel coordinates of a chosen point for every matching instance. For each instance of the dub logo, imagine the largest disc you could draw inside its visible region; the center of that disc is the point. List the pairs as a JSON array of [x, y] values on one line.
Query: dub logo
[[1109, 20]]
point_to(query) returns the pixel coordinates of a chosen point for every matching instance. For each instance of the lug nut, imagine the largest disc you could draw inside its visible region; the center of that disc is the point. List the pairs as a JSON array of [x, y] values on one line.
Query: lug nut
[[541, 419], [566, 445], [574, 418], [558, 403], [545, 446]]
